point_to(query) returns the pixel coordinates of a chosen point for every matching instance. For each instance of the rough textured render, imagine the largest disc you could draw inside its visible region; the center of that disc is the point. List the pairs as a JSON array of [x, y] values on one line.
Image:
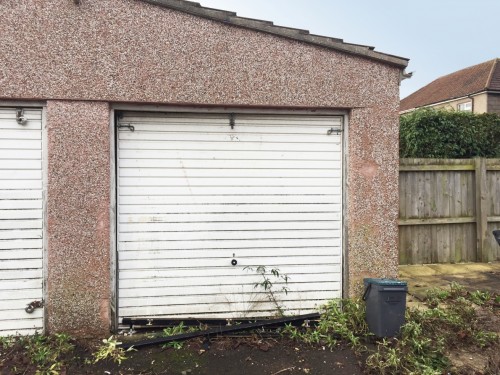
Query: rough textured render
[[133, 51], [372, 193], [130, 51], [78, 282]]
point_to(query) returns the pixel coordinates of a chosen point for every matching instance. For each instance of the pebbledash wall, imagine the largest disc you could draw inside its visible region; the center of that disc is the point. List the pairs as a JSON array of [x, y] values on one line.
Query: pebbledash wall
[[79, 60]]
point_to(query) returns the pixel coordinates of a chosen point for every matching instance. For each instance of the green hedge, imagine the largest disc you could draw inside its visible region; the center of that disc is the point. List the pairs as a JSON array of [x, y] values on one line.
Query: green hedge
[[430, 133]]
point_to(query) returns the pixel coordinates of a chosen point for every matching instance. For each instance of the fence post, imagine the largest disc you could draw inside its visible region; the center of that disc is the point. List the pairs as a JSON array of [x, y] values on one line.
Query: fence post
[[481, 209]]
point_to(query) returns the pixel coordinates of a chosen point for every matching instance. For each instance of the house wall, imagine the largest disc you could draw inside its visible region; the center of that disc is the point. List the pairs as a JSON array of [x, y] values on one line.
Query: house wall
[[494, 103], [448, 106], [80, 58], [480, 104]]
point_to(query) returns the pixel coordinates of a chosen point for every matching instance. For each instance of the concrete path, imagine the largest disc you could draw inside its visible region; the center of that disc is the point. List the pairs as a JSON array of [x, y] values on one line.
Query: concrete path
[[473, 276]]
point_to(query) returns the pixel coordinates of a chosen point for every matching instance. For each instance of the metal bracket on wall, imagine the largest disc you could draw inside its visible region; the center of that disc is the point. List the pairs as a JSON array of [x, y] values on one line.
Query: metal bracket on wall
[[128, 126], [20, 119], [232, 120]]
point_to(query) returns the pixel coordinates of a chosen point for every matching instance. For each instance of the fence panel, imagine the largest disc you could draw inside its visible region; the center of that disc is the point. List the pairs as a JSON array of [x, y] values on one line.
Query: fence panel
[[448, 209]]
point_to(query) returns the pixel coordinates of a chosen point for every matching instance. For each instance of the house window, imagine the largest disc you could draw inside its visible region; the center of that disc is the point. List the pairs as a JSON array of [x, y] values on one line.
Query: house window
[[466, 107]]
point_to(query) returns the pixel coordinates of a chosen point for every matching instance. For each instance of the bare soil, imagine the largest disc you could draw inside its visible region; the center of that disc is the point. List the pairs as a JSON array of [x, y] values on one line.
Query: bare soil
[[251, 355]]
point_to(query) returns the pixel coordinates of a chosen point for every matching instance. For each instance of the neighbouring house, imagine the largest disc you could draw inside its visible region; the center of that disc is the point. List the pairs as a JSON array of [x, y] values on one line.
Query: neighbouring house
[[152, 151], [475, 89]]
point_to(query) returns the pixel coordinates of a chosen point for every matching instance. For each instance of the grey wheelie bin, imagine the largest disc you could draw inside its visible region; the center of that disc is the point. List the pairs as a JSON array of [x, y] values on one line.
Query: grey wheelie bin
[[385, 306]]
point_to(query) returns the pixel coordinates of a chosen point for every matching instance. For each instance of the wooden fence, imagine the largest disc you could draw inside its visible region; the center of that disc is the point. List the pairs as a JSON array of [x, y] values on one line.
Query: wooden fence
[[448, 209]]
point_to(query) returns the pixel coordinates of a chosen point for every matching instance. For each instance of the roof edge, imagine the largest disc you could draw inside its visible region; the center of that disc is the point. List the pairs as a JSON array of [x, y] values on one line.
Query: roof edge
[[492, 72], [482, 91], [231, 18]]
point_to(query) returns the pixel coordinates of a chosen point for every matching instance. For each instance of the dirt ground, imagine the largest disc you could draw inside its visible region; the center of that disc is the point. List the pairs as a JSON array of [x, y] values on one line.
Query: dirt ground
[[244, 355], [251, 355], [472, 276]]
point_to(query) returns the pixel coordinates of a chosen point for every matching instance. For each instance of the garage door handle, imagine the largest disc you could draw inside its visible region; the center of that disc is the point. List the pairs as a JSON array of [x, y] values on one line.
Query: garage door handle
[[129, 127], [332, 130], [234, 262], [33, 305]]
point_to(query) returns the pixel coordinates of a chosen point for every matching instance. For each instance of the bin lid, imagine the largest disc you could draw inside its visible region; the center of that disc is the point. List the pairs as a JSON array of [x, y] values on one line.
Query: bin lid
[[385, 282]]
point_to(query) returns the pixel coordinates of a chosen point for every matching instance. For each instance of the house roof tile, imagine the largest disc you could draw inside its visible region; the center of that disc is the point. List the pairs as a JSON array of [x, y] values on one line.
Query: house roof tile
[[232, 18], [471, 80]]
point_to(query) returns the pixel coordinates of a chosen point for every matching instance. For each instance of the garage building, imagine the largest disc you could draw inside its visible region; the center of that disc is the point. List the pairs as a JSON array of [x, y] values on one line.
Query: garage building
[[156, 156]]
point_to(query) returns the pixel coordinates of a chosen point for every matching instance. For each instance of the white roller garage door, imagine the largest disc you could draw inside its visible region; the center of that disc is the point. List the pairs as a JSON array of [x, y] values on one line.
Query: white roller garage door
[[21, 221], [195, 194]]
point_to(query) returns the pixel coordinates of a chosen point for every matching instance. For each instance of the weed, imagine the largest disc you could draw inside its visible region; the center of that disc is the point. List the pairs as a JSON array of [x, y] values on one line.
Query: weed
[[341, 321], [7, 342], [430, 333], [46, 353], [448, 322], [457, 290], [176, 330], [484, 339], [436, 295], [268, 279], [479, 298], [111, 350]]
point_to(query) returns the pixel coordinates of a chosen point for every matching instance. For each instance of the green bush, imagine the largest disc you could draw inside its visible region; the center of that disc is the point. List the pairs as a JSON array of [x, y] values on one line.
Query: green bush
[[431, 133]]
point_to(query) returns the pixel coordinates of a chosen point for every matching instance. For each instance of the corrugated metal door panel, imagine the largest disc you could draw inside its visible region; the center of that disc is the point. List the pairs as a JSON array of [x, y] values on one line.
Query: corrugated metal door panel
[[21, 221], [194, 194]]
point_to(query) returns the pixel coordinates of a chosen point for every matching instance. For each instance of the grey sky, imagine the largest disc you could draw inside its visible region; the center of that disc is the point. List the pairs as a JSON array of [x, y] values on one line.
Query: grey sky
[[439, 36]]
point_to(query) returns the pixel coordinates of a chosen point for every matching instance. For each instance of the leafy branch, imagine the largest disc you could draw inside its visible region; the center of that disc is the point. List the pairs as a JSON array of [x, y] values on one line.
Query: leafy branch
[[268, 279]]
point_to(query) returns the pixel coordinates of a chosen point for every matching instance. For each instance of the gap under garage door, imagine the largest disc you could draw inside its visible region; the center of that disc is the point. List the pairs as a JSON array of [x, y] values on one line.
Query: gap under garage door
[[196, 192]]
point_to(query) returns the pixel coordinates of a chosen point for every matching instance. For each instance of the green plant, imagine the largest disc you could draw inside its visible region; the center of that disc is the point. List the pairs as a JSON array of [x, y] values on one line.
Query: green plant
[[341, 321], [7, 342], [110, 350], [479, 298], [457, 290], [436, 295], [484, 339], [449, 321], [176, 330], [47, 352], [431, 133], [429, 334], [268, 280]]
